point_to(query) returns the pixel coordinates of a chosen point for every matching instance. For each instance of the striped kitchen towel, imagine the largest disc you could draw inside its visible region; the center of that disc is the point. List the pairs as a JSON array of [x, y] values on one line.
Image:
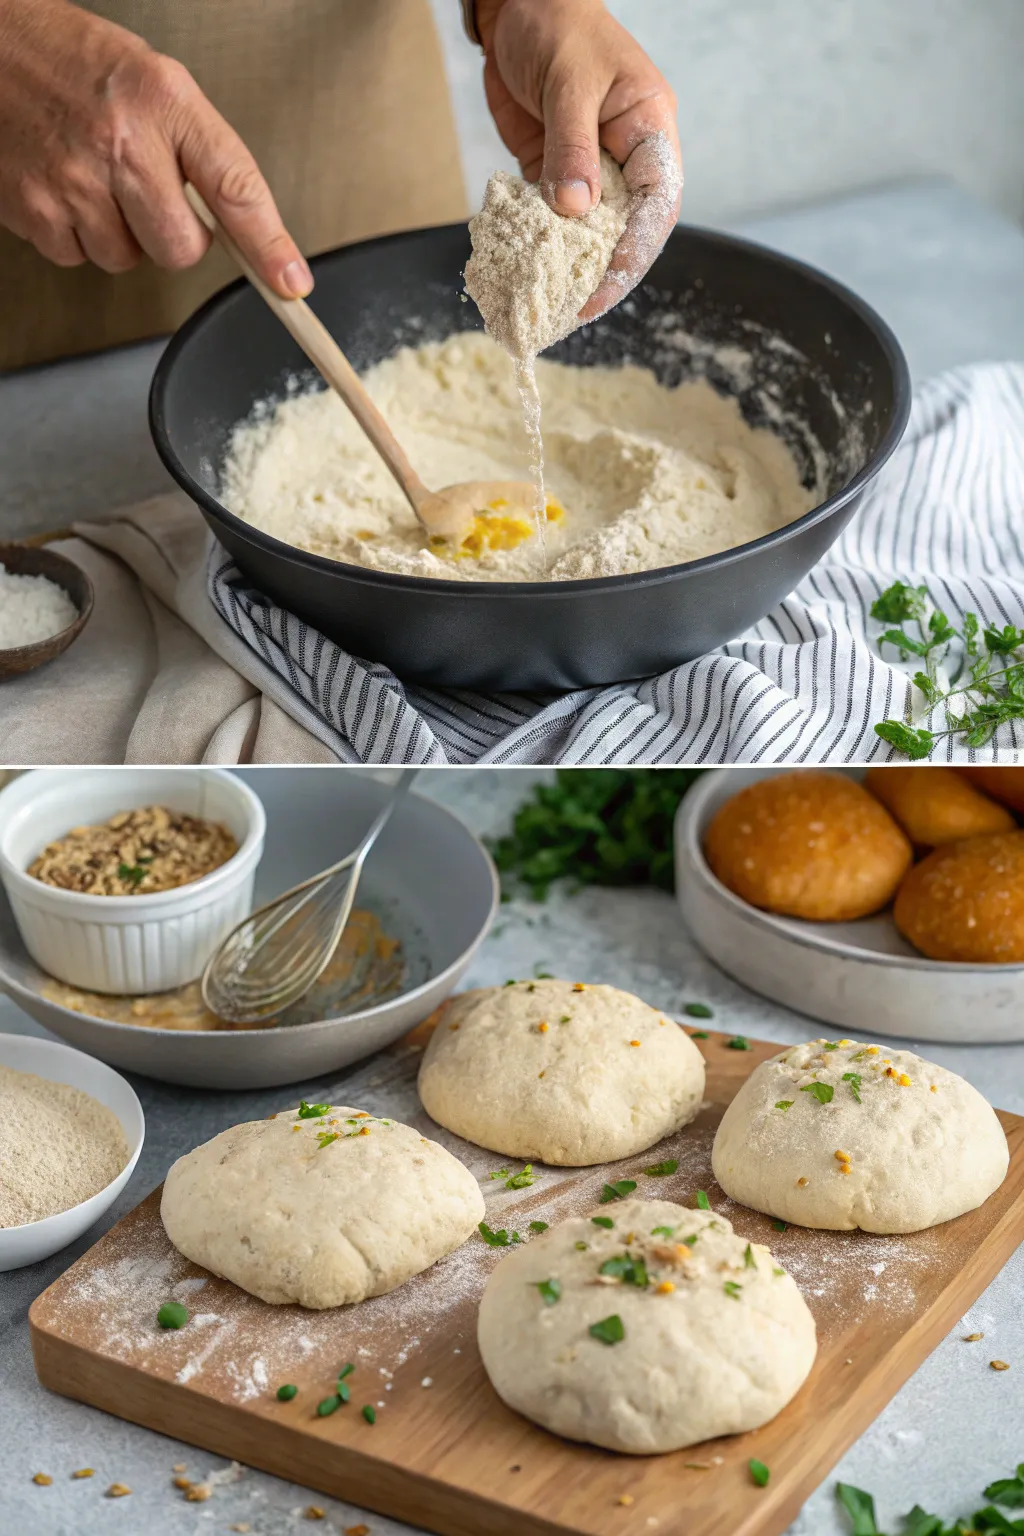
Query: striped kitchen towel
[[806, 685]]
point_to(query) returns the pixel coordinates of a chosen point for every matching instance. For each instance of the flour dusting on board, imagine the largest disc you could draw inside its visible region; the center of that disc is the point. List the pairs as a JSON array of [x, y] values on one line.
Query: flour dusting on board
[[239, 1348]]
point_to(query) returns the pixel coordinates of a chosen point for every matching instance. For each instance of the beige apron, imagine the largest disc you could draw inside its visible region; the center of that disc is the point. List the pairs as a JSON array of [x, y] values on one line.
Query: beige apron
[[345, 106]]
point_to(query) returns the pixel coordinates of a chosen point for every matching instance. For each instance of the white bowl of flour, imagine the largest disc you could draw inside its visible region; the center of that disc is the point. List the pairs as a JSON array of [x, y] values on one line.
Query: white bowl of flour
[[59, 1143]]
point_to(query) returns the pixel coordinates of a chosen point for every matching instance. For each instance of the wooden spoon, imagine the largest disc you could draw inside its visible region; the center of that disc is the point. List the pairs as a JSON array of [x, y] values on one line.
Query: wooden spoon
[[446, 514]]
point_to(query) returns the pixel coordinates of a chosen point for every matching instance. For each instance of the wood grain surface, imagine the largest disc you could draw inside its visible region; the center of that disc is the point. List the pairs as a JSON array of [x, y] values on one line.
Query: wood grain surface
[[445, 1453]]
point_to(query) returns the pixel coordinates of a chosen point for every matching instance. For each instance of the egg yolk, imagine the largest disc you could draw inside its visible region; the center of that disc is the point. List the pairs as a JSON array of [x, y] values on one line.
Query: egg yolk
[[493, 530]]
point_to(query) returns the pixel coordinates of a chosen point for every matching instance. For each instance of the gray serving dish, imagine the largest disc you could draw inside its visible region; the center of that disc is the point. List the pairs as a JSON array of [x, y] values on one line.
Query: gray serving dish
[[858, 976], [428, 878]]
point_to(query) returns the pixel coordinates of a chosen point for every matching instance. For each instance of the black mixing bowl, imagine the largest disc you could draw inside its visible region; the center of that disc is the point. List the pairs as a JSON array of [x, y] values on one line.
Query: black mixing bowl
[[802, 354]]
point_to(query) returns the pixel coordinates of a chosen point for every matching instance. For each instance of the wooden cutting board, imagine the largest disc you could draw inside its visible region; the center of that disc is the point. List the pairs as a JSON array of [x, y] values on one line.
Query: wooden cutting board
[[444, 1452]]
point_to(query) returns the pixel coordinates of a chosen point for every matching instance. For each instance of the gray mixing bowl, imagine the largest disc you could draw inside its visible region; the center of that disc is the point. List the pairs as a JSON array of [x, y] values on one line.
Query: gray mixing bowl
[[428, 877]]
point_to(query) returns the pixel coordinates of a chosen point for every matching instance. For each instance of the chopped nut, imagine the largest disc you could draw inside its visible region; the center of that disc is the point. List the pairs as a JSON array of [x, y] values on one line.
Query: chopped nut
[[118, 1490], [972, 1338], [198, 1493], [85, 1472], [42, 1479], [999, 1365], [672, 1253], [135, 852]]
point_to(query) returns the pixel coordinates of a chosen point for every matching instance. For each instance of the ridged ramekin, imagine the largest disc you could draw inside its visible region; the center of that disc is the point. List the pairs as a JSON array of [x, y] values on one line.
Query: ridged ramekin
[[125, 944]]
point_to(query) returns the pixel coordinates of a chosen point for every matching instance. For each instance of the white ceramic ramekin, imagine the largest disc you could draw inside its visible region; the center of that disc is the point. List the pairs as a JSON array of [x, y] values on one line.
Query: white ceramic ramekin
[[125, 944]]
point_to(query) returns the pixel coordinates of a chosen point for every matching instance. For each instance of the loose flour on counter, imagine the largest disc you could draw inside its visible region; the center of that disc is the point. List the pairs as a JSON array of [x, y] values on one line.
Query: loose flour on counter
[[643, 476]]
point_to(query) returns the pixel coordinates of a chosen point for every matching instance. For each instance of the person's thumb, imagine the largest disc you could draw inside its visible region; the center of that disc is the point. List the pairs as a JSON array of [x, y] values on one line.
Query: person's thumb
[[571, 178]]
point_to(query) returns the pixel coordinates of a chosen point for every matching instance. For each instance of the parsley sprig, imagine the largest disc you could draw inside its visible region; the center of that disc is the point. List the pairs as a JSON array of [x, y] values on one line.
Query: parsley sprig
[[594, 826], [987, 683]]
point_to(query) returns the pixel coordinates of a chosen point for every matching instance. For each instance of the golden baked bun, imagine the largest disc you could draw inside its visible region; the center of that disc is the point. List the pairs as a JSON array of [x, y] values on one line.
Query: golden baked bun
[[808, 844], [966, 901], [935, 805], [1004, 784]]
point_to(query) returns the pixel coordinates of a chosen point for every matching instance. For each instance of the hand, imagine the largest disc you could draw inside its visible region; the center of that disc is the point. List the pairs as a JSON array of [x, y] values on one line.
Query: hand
[[562, 78], [98, 133]]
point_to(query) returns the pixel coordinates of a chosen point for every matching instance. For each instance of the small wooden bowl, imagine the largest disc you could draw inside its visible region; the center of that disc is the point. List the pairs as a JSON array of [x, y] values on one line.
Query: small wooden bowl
[[24, 560]]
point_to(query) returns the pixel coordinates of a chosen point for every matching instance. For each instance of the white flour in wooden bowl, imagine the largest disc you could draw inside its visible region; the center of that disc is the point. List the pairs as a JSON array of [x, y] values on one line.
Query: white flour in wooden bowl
[[648, 476]]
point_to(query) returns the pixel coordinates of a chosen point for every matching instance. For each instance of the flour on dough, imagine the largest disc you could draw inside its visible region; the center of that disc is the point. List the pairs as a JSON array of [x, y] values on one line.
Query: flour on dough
[[649, 477], [320, 1211], [840, 1135], [715, 1336], [561, 1072]]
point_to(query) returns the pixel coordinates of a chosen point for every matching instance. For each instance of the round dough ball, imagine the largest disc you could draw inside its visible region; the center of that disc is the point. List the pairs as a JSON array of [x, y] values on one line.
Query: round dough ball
[[1004, 784], [712, 1344], [900, 1145], [807, 844], [936, 805], [560, 1072], [966, 902], [266, 1206]]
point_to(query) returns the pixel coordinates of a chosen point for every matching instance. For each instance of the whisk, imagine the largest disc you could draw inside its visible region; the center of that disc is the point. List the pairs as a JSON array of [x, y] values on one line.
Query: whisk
[[273, 956]]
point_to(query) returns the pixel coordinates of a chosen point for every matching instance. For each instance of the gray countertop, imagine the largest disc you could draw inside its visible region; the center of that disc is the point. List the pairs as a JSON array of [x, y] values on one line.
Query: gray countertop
[[944, 270], [951, 1429]]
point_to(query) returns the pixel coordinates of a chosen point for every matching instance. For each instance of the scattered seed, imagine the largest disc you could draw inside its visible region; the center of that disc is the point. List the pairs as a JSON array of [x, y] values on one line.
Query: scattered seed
[[314, 1512], [698, 1466], [180, 1466], [370, 1414], [357, 1530], [184, 1483], [624, 1498], [85, 1472], [972, 1338], [198, 1493], [118, 1490], [999, 1365], [42, 1479]]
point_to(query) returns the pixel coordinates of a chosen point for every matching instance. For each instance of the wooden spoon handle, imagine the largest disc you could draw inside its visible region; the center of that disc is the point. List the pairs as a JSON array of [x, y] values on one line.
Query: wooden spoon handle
[[326, 356]]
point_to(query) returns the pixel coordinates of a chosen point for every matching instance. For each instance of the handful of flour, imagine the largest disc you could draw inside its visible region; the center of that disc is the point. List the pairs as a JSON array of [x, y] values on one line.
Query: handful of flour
[[532, 269]]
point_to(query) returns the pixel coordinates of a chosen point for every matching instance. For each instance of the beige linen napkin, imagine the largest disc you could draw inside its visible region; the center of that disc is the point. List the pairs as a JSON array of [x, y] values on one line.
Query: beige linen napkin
[[156, 676]]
